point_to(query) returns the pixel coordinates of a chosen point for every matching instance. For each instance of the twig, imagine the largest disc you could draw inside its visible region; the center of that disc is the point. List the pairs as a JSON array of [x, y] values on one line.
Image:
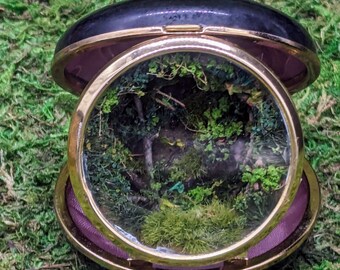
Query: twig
[[171, 98], [56, 266], [136, 181], [170, 107], [147, 144], [100, 124], [250, 150], [190, 129], [138, 199], [139, 107], [7, 176], [147, 141], [136, 155], [251, 117]]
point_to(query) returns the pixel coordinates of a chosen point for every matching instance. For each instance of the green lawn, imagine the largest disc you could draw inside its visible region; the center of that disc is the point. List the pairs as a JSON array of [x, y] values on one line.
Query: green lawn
[[35, 114]]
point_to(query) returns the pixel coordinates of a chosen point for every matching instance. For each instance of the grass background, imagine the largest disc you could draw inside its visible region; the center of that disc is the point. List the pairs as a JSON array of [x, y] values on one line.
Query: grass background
[[35, 114]]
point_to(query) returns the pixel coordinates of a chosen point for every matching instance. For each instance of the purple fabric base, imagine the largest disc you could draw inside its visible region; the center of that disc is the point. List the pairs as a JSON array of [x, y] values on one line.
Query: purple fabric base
[[85, 226], [281, 232]]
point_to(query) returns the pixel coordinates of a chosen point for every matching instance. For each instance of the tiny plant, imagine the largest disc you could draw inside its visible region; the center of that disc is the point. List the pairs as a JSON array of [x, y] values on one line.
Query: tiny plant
[[269, 177]]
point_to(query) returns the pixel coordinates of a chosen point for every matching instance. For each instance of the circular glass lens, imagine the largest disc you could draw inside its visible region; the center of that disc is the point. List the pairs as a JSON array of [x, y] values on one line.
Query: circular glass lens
[[186, 153]]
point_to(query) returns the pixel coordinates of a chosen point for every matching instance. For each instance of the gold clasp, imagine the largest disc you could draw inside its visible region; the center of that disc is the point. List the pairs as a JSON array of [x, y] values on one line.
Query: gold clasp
[[183, 28]]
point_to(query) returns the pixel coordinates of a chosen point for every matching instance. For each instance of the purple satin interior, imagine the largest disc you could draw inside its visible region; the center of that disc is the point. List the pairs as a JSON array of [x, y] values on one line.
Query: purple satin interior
[[85, 226], [281, 232], [288, 224], [84, 66]]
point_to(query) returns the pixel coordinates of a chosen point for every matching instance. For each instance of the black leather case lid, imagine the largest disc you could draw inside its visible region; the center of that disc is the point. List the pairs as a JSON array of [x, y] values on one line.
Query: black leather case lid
[[238, 14], [276, 40]]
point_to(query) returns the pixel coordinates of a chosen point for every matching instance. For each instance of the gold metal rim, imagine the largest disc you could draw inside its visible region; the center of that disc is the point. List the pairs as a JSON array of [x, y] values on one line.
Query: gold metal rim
[[142, 53], [305, 55], [261, 262]]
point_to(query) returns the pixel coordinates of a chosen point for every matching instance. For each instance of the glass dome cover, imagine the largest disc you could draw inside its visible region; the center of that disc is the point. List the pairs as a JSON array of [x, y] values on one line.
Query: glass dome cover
[[176, 141], [186, 153]]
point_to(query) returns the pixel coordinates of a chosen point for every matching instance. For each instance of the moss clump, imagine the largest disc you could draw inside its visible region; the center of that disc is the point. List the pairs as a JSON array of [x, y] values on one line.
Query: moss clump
[[190, 165], [201, 229]]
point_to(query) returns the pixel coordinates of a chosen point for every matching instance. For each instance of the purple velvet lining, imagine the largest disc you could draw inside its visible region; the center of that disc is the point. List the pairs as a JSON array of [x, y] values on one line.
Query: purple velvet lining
[[218, 266], [82, 68], [85, 226], [281, 232]]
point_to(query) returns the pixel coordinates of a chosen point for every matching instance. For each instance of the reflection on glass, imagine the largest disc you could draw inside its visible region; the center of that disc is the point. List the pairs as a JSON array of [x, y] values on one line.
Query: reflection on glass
[[186, 153]]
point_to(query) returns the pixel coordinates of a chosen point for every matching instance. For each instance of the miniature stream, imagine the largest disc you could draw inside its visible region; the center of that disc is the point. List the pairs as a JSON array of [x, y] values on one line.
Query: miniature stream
[[186, 153]]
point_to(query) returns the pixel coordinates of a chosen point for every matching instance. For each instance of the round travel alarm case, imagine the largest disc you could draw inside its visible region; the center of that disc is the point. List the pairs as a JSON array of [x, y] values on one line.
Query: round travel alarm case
[[185, 149]]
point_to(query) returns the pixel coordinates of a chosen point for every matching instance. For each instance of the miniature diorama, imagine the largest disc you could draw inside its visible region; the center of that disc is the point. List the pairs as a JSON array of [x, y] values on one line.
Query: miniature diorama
[[185, 150]]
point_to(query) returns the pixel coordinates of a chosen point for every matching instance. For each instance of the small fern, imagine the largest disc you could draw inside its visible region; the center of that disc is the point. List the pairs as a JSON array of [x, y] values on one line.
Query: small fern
[[269, 177]]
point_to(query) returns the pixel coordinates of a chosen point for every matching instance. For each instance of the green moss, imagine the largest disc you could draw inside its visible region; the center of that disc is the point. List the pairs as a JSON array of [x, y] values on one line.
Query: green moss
[[189, 166], [201, 229]]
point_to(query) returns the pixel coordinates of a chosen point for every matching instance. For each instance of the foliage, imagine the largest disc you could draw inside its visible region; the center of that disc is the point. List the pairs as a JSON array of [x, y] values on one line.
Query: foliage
[[208, 78], [268, 119], [327, 265], [108, 163], [216, 152], [216, 124], [255, 206], [215, 225], [111, 100], [269, 177], [200, 194]]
